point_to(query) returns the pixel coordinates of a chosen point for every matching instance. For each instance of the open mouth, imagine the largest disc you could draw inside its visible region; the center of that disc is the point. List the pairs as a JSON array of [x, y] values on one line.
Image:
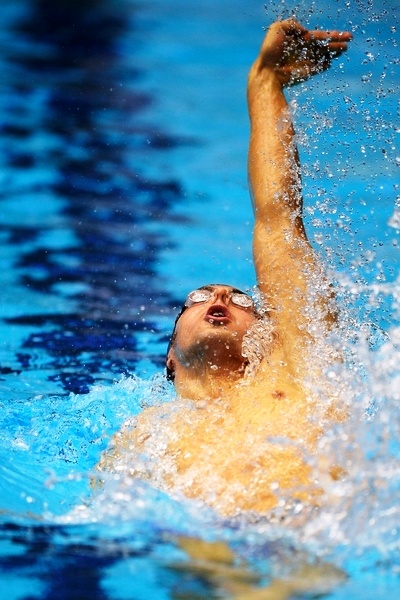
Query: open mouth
[[217, 315]]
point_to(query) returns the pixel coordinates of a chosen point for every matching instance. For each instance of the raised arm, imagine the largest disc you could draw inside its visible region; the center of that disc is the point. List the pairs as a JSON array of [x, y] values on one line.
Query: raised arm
[[284, 260]]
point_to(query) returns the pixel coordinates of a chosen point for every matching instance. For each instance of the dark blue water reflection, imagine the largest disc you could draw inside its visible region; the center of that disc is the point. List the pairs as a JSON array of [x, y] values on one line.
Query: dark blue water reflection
[[70, 120]]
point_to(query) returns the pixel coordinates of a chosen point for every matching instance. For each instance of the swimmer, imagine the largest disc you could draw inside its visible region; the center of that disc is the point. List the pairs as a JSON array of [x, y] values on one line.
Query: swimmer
[[244, 424]]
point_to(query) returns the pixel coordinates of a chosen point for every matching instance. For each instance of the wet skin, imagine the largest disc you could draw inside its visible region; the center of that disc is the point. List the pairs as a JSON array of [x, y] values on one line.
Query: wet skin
[[212, 333]]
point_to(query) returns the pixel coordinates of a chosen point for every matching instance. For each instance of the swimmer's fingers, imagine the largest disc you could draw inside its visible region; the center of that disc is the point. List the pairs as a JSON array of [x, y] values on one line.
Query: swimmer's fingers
[[333, 43], [339, 37], [337, 48]]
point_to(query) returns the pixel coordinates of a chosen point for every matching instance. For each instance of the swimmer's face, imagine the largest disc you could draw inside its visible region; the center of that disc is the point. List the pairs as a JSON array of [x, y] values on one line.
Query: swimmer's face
[[212, 327]]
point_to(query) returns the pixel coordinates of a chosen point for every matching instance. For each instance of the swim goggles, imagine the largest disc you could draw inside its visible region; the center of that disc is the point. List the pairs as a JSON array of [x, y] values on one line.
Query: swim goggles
[[204, 294]]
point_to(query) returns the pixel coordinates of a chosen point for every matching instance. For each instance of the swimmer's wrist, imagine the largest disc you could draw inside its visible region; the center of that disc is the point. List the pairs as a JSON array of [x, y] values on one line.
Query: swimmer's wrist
[[260, 71], [263, 81]]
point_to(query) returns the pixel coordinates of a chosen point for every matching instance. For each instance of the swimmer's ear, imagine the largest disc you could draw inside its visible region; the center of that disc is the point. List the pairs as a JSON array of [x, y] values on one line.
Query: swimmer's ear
[[170, 362]]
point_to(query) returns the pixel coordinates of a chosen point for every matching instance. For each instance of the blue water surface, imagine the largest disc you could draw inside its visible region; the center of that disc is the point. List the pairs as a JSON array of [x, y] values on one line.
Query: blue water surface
[[123, 186]]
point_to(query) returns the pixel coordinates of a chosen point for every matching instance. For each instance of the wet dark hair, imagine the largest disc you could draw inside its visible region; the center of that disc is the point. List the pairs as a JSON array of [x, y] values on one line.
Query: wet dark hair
[[169, 373]]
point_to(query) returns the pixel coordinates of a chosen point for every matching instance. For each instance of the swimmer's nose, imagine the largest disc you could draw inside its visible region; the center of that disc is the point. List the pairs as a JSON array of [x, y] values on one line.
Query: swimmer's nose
[[221, 294]]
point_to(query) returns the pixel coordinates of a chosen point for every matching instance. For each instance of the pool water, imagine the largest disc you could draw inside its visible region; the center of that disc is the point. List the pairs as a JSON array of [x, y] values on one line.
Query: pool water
[[123, 186]]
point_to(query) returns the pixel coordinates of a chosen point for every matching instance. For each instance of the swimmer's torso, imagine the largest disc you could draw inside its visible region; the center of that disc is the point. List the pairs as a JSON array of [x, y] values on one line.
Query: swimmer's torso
[[243, 451]]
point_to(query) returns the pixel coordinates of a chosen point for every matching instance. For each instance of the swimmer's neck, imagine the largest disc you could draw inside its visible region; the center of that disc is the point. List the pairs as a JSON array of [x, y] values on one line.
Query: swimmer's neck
[[206, 382], [201, 380]]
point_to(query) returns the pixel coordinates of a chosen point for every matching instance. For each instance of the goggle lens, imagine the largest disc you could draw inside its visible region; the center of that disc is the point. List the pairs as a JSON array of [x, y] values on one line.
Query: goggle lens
[[199, 296], [242, 300]]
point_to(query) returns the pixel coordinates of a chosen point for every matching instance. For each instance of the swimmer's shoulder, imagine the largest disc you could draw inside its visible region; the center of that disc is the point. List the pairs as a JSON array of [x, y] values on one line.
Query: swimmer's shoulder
[[136, 434], [148, 423]]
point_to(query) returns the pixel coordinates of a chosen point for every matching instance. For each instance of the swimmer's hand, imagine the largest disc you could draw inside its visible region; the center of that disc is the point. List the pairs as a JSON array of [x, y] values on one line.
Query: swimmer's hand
[[295, 53]]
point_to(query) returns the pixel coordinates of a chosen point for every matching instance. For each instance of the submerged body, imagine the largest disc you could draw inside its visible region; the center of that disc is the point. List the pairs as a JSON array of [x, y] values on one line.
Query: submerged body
[[253, 444], [244, 431]]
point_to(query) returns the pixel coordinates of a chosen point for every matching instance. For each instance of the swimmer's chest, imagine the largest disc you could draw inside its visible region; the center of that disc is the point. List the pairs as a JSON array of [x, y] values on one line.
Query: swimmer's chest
[[237, 451], [250, 422], [270, 404]]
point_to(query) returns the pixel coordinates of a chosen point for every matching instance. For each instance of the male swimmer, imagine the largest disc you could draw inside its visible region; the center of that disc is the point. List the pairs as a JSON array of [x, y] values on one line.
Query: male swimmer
[[245, 422]]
